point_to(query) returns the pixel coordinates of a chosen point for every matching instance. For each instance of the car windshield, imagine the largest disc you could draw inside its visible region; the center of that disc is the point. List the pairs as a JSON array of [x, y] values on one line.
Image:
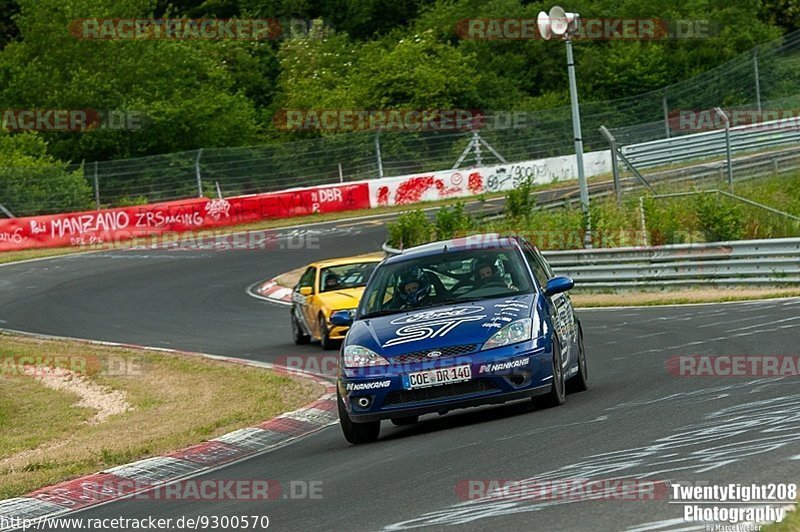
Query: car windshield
[[445, 278], [345, 276]]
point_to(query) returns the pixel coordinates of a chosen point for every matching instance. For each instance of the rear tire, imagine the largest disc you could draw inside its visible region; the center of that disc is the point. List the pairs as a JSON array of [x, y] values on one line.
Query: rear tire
[[356, 433], [300, 338], [579, 382], [403, 421], [557, 393]]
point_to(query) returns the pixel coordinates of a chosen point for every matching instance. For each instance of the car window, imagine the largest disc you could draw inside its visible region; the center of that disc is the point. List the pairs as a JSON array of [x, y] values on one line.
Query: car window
[[346, 276], [539, 269], [307, 279], [446, 278]]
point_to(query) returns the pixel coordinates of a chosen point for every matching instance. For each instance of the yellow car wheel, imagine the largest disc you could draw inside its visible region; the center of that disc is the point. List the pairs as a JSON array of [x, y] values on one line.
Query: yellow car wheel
[[324, 335]]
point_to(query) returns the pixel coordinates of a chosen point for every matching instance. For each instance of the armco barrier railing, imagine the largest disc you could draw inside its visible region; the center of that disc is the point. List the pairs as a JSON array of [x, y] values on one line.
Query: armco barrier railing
[[751, 137], [745, 262], [742, 262]]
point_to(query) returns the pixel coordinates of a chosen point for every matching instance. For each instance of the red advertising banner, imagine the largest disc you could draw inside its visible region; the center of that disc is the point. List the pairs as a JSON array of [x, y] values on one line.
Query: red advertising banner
[[110, 226]]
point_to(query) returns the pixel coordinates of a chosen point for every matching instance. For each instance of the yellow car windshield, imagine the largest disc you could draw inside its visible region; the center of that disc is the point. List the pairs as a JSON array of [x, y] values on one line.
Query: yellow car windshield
[[345, 276]]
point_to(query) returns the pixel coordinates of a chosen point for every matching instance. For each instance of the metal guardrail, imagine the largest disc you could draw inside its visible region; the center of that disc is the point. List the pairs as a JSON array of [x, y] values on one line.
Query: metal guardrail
[[772, 262], [743, 262], [708, 144]]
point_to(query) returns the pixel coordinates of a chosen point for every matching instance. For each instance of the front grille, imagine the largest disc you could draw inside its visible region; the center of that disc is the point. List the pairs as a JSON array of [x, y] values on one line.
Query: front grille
[[439, 392], [446, 352]]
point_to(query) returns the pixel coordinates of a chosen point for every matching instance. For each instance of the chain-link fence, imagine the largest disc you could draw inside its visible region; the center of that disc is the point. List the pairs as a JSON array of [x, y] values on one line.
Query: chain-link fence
[[762, 80]]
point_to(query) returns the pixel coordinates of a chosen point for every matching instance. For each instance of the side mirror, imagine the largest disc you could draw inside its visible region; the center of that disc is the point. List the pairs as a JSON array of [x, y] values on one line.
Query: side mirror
[[306, 291], [557, 285], [342, 318]]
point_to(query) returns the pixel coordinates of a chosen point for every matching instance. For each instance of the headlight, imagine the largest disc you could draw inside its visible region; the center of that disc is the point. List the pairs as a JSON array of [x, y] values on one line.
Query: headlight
[[356, 356], [513, 333]]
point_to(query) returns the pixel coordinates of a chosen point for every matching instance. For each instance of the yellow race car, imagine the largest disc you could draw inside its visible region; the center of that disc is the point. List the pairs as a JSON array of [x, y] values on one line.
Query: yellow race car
[[328, 289]]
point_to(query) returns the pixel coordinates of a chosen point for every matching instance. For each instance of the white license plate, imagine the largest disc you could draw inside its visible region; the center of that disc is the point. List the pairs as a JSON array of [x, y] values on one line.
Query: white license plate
[[435, 377]]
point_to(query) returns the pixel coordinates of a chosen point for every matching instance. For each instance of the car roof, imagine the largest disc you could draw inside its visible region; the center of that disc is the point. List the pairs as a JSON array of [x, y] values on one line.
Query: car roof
[[327, 263], [486, 241]]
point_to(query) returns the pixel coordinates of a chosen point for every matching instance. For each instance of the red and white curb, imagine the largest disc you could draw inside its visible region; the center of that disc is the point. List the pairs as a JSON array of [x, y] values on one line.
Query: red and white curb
[[271, 291], [144, 475]]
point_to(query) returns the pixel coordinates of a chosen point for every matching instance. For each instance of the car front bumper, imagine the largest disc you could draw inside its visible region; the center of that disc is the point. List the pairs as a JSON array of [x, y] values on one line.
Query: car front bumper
[[497, 376]]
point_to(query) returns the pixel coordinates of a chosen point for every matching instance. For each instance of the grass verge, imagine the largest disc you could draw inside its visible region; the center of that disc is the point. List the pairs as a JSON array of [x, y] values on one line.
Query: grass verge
[[175, 401], [790, 523]]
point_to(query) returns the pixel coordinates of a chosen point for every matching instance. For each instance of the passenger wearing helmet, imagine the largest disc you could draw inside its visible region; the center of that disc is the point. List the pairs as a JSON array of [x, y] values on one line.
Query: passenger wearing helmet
[[485, 272]]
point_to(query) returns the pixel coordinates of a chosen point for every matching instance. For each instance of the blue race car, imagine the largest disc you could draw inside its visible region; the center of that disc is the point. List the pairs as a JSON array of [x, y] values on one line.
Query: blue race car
[[458, 323]]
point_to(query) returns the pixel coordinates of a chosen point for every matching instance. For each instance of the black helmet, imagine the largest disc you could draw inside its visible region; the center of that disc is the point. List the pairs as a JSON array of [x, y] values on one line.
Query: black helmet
[[480, 264], [331, 280], [414, 275]]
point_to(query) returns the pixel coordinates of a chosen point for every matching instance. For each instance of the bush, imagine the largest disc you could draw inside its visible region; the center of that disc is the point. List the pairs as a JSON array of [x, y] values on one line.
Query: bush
[[410, 229], [31, 182], [519, 202], [669, 221], [719, 218], [452, 222]]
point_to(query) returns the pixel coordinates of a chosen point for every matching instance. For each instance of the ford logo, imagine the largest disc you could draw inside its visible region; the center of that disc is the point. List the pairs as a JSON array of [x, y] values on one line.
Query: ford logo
[[434, 354]]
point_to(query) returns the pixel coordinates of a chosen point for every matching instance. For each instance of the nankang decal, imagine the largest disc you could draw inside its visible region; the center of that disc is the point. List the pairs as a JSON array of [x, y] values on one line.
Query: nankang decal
[[501, 366], [436, 314], [354, 387]]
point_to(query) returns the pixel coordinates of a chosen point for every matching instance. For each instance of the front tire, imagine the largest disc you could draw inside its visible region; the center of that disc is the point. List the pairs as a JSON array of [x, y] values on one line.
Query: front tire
[[356, 433], [557, 394], [579, 382], [300, 338], [324, 335]]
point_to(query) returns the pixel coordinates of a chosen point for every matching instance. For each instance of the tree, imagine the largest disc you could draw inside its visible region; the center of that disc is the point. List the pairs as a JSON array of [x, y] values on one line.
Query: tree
[[32, 182], [185, 89]]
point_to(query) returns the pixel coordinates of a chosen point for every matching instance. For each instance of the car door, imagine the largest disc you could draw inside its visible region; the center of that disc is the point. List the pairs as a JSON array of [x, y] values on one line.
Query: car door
[[561, 306], [302, 303]]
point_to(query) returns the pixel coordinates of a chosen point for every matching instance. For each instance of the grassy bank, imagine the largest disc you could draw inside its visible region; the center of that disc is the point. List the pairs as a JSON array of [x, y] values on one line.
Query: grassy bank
[[152, 402]]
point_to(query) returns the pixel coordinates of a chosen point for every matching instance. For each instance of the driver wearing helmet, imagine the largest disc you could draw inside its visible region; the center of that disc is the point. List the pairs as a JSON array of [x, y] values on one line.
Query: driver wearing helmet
[[413, 289], [331, 281]]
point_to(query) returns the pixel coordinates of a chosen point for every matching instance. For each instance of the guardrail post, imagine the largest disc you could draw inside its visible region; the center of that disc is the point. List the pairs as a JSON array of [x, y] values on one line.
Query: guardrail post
[[614, 163], [96, 188], [724, 116], [666, 111], [197, 173], [378, 152], [758, 82], [644, 222]]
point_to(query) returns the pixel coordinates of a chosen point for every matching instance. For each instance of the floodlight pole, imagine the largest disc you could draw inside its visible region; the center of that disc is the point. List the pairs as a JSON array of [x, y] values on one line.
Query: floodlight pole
[[576, 129]]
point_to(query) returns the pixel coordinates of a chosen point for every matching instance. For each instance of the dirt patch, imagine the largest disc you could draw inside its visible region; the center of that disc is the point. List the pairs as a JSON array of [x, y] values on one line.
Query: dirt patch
[[105, 401]]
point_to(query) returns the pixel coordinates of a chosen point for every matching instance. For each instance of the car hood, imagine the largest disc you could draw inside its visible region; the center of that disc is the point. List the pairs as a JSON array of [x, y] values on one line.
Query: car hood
[[344, 299], [451, 325]]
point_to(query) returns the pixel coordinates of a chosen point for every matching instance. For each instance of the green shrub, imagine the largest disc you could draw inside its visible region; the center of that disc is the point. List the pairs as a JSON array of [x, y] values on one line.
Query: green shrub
[[452, 222], [719, 218], [519, 202], [410, 229], [669, 221]]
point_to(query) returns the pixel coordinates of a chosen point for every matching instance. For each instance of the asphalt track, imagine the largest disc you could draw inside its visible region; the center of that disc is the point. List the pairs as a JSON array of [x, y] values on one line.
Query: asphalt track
[[636, 422]]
